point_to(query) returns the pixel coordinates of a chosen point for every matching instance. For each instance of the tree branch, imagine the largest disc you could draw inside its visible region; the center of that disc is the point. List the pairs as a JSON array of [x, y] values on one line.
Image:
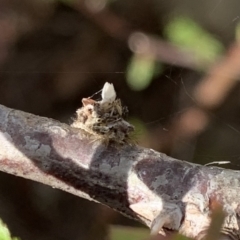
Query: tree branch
[[138, 182]]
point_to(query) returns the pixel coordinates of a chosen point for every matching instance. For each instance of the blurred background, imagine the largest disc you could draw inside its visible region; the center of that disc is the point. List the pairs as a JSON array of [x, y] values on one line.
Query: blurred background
[[175, 64]]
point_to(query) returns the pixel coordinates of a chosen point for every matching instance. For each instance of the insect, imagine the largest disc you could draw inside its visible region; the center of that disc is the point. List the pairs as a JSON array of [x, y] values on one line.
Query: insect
[[104, 119]]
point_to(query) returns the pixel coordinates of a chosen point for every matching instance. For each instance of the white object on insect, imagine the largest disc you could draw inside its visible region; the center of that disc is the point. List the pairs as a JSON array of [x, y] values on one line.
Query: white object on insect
[[108, 93]]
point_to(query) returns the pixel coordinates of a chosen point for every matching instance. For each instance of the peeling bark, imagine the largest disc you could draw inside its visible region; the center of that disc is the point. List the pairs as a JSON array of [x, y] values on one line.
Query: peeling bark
[[138, 182]]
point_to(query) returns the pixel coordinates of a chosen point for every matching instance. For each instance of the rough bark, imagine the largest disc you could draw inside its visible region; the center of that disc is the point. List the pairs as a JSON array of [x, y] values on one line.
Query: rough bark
[[138, 182]]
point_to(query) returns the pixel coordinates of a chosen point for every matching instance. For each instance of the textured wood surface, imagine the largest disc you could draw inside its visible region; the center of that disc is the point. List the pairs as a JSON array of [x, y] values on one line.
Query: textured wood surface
[[135, 181]]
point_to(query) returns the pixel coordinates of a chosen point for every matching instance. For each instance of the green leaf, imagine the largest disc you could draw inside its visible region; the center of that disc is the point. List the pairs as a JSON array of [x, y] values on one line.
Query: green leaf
[[187, 34], [4, 232], [128, 233], [140, 72], [180, 237], [238, 32]]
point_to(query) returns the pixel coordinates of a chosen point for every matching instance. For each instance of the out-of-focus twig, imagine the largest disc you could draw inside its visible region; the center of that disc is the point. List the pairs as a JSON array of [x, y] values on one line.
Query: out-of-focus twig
[[213, 232], [209, 94], [220, 80], [139, 42]]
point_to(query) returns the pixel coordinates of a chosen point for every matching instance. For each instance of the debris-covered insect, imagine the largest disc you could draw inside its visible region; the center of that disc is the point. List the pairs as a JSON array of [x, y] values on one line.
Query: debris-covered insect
[[104, 119]]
